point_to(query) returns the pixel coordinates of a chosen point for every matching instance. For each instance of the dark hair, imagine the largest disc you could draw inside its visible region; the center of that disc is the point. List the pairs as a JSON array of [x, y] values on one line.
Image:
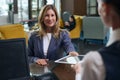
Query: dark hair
[[115, 4], [72, 16]]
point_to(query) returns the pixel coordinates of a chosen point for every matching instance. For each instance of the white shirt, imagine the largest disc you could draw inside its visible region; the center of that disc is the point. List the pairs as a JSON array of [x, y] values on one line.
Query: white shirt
[[46, 42], [92, 66]]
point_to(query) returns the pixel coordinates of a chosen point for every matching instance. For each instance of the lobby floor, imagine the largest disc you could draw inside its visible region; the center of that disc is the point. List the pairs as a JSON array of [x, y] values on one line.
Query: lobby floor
[[84, 47]]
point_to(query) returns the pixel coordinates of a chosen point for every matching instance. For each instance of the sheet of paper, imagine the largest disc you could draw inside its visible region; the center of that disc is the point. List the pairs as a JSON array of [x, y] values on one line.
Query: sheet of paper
[[70, 59]]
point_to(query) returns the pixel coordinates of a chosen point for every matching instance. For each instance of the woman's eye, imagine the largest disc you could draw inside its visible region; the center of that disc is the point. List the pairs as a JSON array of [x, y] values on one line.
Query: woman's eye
[[52, 15]]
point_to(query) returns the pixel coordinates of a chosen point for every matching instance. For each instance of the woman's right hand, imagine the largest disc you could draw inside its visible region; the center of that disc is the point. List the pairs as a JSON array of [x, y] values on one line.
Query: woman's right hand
[[42, 62]]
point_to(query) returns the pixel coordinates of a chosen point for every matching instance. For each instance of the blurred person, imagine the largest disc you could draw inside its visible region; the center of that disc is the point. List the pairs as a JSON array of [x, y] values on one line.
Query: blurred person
[[70, 25], [49, 41], [104, 64]]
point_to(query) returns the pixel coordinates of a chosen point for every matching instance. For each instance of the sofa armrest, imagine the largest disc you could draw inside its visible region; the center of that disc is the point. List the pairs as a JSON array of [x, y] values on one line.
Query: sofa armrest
[[1, 36]]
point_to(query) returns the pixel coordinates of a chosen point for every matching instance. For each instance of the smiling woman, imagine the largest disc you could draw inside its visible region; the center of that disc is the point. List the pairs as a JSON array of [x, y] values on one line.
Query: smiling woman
[[49, 42]]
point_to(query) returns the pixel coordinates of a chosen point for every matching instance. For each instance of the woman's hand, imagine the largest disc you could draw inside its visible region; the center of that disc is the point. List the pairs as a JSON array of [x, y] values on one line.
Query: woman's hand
[[42, 62], [73, 53], [67, 24]]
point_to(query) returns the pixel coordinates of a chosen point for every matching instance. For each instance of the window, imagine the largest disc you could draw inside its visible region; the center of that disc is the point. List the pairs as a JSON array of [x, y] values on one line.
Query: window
[[36, 6], [23, 10], [50, 1], [92, 8], [3, 7]]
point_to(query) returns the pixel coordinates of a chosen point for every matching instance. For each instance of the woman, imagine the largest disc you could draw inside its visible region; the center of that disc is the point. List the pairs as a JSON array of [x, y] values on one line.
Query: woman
[[70, 25], [48, 43], [104, 64]]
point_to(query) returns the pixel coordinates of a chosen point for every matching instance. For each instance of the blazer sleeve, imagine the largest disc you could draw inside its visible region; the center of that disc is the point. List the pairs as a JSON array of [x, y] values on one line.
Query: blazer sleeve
[[30, 49], [67, 44]]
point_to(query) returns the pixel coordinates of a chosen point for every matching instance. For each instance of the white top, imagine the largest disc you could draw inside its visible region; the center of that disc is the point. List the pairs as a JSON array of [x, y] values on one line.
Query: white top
[[92, 66], [46, 42]]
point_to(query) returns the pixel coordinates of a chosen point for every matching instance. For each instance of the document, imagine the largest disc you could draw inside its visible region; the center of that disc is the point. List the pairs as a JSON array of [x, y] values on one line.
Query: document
[[70, 59]]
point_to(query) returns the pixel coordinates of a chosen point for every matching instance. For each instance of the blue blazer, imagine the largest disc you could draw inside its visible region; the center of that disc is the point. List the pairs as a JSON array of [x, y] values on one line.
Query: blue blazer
[[55, 50]]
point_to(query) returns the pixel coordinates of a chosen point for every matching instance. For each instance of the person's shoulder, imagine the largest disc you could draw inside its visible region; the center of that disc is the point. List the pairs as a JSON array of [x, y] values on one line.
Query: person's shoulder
[[64, 31], [34, 34], [93, 57]]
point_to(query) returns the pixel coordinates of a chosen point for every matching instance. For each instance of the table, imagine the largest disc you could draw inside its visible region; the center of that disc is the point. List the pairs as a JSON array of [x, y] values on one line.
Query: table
[[62, 71]]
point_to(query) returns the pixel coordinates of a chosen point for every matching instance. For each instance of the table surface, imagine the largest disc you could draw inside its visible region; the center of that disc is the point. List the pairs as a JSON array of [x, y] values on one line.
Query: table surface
[[62, 71]]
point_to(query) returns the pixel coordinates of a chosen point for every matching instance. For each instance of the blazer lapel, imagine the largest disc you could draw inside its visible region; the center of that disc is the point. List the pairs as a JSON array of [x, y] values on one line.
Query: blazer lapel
[[52, 44], [40, 46]]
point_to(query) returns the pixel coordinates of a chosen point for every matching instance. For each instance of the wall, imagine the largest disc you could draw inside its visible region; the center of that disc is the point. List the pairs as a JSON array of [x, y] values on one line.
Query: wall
[[77, 7], [67, 5], [80, 7]]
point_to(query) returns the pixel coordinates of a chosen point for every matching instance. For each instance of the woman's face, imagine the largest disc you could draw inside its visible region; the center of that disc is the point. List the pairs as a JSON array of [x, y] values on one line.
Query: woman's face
[[50, 18]]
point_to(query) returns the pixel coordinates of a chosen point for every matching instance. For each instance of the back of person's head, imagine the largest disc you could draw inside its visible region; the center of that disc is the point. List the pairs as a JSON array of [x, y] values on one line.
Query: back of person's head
[[115, 4]]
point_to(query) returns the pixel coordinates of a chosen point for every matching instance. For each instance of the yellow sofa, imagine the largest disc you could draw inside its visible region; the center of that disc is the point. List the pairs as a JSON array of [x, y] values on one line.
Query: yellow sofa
[[12, 31], [75, 33]]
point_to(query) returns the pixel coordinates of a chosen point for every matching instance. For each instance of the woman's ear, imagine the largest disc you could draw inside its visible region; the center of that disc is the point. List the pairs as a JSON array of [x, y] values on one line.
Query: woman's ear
[[105, 9]]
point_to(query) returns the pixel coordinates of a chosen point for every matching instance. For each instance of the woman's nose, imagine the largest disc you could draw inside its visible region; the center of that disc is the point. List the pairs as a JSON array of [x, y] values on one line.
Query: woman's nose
[[50, 17]]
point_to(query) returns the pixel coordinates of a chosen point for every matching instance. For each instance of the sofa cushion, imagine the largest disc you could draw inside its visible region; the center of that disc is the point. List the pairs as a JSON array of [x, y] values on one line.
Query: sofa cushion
[[13, 31]]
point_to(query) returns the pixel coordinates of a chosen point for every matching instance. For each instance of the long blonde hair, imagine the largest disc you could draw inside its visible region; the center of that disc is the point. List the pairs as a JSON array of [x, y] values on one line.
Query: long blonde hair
[[42, 30]]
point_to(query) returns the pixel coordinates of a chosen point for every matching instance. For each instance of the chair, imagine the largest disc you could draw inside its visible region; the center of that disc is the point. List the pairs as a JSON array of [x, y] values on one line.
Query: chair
[[75, 33], [93, 28], [13, 60]]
